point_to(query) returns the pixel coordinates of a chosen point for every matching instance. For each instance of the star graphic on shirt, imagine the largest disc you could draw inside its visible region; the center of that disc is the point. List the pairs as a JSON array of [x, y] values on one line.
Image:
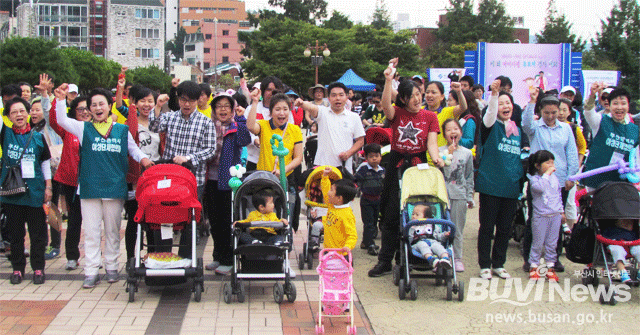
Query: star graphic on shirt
[[409, 133]]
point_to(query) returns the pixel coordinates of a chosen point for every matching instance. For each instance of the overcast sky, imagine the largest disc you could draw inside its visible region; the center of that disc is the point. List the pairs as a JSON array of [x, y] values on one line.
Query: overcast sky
[[583, 14]]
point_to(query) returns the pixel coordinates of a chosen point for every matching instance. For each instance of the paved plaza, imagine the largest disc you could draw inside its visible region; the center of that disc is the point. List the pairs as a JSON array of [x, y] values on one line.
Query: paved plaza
[[61, 306]]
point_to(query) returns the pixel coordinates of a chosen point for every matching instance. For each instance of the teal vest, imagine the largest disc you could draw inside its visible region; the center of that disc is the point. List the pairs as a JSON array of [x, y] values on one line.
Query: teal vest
[[12, 147], [500, 168], [103, 163], [611, 137]]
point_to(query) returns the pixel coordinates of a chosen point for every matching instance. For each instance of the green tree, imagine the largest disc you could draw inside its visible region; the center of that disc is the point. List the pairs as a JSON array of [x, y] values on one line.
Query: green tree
[[558, 30], [493, 22], [262, 14], [114, 70], [152, 77], [176, 45], [442, 55], [92, 70], [381, 18], [226, 82], [24, 59], [302, 10], [462, 25], [338, 21], [619, 41], [277, 49]]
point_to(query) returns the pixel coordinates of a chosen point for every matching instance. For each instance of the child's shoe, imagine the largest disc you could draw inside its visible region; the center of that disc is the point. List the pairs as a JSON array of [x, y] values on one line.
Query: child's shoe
[[551, 275], [624, 277], [16, 277], [51, 253], [533, 273], [566, 229], [38, 277], [444, 263], [433, 262]]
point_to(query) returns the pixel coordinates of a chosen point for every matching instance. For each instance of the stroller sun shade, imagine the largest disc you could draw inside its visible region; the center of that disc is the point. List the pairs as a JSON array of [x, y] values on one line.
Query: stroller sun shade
[[616, 200], [254, 183]]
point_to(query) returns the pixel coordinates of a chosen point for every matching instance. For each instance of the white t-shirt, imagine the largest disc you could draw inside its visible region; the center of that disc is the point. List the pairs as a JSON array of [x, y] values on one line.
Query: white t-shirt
[[149, 142], [336, 133], [253, 152]]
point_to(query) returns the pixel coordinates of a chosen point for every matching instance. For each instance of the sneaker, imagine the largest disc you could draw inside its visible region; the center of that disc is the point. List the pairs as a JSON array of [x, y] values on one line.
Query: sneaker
[[16, 278], [526, 266], [502, 273], [485, 273], [566, 229], [224, 270], [552, 276], [624, 277], [363, 246], [433, 261], [459, 266], [558, 266], [445, 263], [373, 250], [51, 253], [112, 276], [72, 264], [292, 274], [533, 274], [380, 269], [212, 266], [91, 281], [38, 277]]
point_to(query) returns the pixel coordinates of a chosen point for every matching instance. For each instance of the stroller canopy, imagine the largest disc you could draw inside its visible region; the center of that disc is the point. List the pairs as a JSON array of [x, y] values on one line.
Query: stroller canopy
[[254, 183], [428, 182], [616, 200]]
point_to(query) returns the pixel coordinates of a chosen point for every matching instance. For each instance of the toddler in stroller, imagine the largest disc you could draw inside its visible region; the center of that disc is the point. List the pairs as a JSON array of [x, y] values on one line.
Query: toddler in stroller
[[427, 239], [623, 230], [263, 203]]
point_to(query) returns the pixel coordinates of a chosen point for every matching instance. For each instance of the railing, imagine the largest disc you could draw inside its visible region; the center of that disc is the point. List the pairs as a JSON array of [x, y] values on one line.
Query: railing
[[61, 18]]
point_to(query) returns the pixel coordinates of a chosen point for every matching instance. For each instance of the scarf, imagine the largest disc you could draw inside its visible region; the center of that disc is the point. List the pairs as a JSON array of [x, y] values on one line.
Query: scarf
[[26, 130], [511, 128], [221, 130]]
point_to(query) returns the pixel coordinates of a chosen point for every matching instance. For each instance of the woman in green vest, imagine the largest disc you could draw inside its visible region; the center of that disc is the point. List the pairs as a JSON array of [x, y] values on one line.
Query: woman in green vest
[[25, 148], [104, 147], [497, 182]]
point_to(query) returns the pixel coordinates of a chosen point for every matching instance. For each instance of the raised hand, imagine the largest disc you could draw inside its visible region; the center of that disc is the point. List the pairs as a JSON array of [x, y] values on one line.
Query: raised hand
[[175, 82], [61, 91], [298, 103], [495, 87], [240, 111], [255, 95], [456, 86], [534, 92], [45, 83], [162, 99], [121, 83], [390, 71]]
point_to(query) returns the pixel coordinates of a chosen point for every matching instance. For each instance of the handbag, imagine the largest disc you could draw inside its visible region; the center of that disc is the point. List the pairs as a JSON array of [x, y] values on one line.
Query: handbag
[[580, 248], [13, 183]]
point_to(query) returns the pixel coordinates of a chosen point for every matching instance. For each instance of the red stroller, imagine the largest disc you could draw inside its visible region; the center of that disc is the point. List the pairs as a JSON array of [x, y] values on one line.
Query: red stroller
[[167, 197]]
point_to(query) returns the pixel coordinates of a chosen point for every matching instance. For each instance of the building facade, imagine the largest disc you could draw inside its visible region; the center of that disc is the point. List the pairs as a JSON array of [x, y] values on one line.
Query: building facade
[[65, 20], [194, 12], [215, 43]]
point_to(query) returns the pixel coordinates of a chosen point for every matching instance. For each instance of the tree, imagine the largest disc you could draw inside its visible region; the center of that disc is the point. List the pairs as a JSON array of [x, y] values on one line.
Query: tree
[[338, 21], [558, 30], [226, 82], [262, 14], [152, 77], [302, 10], [92, 70], [381, 18], [442, 55], [24, 59], [619, 41], [462, 25], [176, 46]]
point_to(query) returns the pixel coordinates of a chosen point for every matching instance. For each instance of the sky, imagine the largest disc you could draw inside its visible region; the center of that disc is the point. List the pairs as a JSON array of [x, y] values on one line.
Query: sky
[[584, 16]]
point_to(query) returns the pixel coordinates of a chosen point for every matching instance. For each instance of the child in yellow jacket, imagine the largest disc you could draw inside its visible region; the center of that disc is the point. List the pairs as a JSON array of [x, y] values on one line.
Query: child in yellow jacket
[[264, 205], [339, 224]]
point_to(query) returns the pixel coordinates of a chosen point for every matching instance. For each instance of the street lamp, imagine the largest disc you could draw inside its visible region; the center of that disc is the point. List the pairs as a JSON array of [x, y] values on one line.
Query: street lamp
[[316, 60]]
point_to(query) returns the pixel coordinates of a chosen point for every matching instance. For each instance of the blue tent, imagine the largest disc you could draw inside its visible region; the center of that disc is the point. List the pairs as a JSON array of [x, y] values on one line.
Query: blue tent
[[354, 82]]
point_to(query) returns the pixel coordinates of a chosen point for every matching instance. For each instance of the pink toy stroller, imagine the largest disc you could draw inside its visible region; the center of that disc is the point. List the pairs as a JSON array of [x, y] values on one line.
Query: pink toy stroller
[[336, 288]]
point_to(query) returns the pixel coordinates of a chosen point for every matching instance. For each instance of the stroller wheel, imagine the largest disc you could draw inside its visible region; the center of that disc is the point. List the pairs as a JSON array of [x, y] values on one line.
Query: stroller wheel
[[310, 260], [241, 290], [449, 290], [605, 298], [301, 261], [590, 277], [402, 293], [131, 288], [460, 290], [413, 290], [352, 330], [396, 274], [439, 275], [291, 292], [197, 292], [278, 293], [319, 329], [226, 293]]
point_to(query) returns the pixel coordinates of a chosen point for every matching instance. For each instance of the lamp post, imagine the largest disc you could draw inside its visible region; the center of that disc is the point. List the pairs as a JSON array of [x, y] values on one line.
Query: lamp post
[[215, 53], [317, 60]]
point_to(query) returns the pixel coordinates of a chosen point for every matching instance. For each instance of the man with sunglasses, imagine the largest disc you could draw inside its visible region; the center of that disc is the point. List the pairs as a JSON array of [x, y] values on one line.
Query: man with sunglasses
[[374, 116]]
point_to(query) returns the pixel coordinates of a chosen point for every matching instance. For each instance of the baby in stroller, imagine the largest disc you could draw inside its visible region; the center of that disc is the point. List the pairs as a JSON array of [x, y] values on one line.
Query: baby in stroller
[[623, 230], [263, 202], [426, 246]]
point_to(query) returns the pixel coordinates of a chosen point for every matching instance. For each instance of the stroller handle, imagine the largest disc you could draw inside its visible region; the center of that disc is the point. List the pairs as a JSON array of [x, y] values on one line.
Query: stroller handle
[[186, 164], [323, 252]]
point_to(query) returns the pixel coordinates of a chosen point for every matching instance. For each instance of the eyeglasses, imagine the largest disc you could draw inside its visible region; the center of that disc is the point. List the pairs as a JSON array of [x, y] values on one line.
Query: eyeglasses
[[375, 101], [82, 109], [21, 111], [186, 100], [223, 106]]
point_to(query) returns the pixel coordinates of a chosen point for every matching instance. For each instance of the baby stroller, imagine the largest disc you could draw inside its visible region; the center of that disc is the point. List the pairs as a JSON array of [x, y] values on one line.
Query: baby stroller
[[520, 220], [315, 202], [610, 202], [380, 136], [336, 288], [260, 261], [167, 201], [424, 186], [310, 148]]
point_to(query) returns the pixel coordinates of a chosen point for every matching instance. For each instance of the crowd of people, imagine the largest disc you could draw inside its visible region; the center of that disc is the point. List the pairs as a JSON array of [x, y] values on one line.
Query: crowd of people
[[92, 148]]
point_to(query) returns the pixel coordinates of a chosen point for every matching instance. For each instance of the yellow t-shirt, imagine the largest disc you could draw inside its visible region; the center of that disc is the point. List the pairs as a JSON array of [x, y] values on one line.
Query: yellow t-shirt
[[121, 119], [257, 216], [206, 112], [339, 224], [444, 115], [267, 160]]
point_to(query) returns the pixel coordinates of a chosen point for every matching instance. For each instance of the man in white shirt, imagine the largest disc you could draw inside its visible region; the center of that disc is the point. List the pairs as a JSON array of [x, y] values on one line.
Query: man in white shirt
[[340, 132]]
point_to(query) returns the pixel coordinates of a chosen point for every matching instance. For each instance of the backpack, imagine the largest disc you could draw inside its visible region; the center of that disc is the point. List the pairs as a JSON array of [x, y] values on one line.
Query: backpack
[[581, 246]]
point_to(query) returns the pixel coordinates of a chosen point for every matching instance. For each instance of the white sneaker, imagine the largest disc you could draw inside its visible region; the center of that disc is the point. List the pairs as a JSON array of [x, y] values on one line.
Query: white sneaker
[[485, 274], [212, 266], [224, 270], [292, 274], [502, 273], [71, 265]]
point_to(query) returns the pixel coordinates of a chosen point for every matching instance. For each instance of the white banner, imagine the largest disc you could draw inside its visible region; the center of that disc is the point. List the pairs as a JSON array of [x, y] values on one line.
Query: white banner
[[442, 75], [591, 76]]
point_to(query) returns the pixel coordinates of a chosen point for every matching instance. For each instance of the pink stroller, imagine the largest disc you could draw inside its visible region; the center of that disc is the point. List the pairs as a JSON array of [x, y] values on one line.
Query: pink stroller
[[336, 288]]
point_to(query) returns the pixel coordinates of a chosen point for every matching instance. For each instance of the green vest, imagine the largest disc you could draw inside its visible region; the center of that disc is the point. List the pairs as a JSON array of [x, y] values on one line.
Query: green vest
[[611, 137], [103, 163], [500, 168], [12, 147]]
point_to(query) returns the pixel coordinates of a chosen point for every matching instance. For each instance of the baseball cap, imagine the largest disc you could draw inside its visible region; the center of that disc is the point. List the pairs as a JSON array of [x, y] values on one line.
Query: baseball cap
[[568, 89], [419, 77], [73, 88], [607, 90], [256, 85]]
